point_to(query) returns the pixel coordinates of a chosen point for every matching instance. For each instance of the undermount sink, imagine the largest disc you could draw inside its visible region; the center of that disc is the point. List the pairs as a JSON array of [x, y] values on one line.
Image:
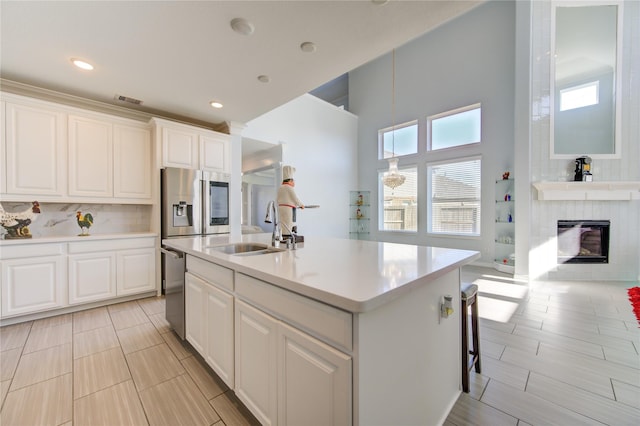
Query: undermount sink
[[246, 249]]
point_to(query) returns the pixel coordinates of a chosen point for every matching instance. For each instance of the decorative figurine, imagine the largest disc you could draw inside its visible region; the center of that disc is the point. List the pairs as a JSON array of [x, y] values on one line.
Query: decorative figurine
[[288, 201], [505, 175], [17, 224], [84, 222]]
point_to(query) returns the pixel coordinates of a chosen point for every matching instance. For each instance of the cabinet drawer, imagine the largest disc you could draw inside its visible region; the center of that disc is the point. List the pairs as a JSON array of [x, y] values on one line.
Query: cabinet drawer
[[211, 272], [326, 322], [107, 245], [30, 250]]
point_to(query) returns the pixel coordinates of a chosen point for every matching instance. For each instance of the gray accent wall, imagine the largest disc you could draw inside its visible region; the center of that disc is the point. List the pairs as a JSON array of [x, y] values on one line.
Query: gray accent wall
[[468, 60]]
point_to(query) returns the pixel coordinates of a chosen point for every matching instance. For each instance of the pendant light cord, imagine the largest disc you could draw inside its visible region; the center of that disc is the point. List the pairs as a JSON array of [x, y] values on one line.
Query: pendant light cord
[[393, 104]]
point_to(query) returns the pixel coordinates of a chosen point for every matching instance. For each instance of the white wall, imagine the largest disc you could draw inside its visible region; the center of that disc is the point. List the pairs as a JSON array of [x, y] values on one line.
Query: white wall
[[468, 60], [624, 261], [319, 140]]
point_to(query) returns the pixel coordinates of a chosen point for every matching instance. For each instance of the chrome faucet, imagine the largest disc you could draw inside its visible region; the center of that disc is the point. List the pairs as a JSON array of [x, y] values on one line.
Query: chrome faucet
[[290, 244], [272, 217]]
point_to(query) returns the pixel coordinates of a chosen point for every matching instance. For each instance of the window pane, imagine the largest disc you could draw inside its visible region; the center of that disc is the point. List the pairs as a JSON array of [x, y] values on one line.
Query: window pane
[[454, 201], [456, 129], [399, 209], [579, 96], [406, 140]]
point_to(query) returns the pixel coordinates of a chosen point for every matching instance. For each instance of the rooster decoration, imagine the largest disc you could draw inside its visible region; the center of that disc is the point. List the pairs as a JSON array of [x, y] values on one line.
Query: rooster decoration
[[17, 224], [84, 222]]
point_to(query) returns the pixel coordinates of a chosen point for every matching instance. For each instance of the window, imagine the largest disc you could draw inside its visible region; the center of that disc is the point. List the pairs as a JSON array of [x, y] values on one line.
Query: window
[[404, 142], [455, 128], [453, 202], [399, 210], [579, 96]]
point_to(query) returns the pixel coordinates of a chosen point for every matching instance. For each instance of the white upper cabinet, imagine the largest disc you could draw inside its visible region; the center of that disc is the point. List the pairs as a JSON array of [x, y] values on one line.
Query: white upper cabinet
[[214, 153], [35, 149], [90, 157], [190, 147], [179, 148], [132, 162], [58, 153]]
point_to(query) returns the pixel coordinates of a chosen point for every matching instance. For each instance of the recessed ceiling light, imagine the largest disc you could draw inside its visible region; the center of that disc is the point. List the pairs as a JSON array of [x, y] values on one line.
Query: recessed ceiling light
[[215, 104], [81, 64], [242, 26], [308, 47], [264, 78]]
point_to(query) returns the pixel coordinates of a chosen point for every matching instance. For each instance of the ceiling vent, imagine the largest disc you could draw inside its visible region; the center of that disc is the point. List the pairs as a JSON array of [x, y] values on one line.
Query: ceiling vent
[[127, 99]]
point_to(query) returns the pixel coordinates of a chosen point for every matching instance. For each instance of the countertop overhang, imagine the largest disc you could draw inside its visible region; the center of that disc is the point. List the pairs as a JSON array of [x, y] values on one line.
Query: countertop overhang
[[353, 275]]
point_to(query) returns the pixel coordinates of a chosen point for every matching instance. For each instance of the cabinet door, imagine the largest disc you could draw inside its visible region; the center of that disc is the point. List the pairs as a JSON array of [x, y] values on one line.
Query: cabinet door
[[179, 148], [92, 276], [136, 271], [33, 284], [219, 323], [132, 162], [90, 157], [194, 297], [256, 364], [35, 150], [314, 382], [214, 154]]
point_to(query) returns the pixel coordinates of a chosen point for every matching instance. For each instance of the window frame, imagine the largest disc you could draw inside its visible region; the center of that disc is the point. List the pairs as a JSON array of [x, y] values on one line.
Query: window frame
[[429, 194], [412, 166], [431, 118], [381, 133]]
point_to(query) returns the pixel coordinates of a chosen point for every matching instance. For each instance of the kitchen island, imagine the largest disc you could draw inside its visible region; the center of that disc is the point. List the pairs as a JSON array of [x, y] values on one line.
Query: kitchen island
[[335, 332]]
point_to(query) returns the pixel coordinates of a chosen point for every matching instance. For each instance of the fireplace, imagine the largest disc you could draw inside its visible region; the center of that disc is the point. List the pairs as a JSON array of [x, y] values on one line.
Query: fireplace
[[583, 241]]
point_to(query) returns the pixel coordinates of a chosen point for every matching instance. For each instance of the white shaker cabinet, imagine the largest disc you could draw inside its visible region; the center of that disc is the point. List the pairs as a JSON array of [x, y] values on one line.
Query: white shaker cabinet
[[314, 381], [132, 162], [180, 148], [191, 147], [35, 148], [194, 321], [287, 377], [208, 288], [136, 270], [33, 279], [256, 362], [92, 277], [90, 157], [219, 345], [215, 155]]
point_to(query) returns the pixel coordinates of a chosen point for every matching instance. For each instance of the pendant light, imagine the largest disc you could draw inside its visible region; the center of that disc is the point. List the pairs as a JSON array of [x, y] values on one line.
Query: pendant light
[[393, 178]]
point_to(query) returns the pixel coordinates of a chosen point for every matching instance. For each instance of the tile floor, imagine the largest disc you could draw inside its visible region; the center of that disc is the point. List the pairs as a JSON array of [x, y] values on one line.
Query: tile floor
[[552, 353], [116, 365]]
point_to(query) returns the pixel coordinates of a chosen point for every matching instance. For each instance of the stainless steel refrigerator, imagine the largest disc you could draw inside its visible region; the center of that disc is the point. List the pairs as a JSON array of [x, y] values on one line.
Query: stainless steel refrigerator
[[194, 202]]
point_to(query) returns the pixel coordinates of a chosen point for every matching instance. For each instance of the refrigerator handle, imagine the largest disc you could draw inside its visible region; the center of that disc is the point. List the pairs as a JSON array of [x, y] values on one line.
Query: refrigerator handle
[[174, 254]]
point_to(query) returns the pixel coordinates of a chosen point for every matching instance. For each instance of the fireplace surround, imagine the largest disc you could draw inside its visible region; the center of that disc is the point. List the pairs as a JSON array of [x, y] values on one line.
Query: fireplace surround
[[583, 241]]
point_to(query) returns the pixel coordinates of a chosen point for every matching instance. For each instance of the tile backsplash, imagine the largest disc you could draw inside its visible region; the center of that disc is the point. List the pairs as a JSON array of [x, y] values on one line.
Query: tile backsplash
[[59, 219]]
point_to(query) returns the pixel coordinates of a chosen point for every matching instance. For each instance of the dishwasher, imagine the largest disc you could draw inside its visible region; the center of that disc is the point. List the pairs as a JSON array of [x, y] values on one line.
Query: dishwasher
[[173, 268]]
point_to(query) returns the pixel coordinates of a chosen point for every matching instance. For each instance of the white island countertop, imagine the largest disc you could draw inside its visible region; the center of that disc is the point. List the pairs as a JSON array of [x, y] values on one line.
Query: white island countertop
[[354, 275]]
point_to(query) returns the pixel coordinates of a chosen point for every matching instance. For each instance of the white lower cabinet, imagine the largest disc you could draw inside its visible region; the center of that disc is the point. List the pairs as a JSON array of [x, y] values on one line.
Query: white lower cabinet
[[209, 325], [314, 381], [136, 271], [33, 284], [92, 277], [219, 349], [287, 377], [256, 362]]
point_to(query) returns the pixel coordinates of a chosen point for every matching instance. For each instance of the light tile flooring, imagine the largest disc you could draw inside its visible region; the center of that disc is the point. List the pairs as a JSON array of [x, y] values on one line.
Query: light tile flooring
[[552, 354], [116, 365]]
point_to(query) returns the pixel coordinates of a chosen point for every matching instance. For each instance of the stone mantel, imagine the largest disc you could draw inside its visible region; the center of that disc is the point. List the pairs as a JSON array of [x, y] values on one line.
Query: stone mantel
[[588, 191]]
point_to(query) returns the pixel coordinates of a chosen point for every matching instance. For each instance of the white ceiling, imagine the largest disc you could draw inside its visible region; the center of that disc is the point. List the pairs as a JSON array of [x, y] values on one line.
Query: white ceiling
[[177, 56]]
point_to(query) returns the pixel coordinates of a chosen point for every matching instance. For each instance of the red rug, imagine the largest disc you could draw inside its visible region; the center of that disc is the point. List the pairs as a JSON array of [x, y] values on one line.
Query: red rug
[[634, 298]]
